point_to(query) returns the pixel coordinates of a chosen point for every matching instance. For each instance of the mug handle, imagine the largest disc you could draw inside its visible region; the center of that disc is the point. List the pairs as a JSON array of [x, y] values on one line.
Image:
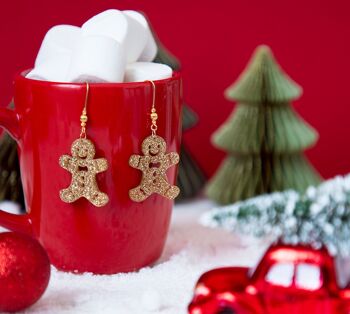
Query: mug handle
[[9, 120]]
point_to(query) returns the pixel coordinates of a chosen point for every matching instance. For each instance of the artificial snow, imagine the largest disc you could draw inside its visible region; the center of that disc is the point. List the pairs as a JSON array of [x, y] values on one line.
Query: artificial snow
[[165, 288]]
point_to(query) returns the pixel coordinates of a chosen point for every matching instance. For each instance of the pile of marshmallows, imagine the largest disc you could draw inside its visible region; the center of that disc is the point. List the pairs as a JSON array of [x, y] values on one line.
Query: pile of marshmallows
[[113, 46]]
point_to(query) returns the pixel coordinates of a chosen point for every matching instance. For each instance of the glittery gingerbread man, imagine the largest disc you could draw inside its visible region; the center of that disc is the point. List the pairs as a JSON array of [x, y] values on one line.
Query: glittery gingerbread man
[[83, 168], [153, 165]]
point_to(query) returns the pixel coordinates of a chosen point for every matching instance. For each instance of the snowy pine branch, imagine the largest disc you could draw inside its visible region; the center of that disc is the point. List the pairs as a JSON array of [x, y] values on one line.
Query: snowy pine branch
[[319, 217]]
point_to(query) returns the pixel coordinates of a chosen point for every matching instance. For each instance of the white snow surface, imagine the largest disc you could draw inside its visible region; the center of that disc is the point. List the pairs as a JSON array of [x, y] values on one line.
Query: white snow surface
[[164, 288]]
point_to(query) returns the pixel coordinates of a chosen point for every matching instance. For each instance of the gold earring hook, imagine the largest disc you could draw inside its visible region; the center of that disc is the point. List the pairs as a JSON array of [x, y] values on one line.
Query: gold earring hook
[[153, 94], [153, 115], [83, 117]]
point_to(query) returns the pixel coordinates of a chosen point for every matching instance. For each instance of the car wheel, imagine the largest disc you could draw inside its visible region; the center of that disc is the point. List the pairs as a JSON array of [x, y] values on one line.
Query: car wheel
[[226, 310]]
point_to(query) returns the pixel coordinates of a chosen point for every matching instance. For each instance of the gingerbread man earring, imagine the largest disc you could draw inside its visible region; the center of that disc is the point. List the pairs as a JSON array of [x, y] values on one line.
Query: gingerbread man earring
[[154, 163], [83, 167]]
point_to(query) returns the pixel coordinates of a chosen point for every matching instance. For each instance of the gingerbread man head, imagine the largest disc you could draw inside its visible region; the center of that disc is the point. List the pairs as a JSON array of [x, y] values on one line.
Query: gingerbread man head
[[153, 146], [83, 149]]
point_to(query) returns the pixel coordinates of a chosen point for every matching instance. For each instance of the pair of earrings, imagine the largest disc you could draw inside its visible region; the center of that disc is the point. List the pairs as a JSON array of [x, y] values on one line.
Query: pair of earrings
[[153, 163]]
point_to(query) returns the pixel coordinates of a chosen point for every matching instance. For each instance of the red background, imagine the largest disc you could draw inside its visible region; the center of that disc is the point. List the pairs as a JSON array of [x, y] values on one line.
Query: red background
[[214, 40]]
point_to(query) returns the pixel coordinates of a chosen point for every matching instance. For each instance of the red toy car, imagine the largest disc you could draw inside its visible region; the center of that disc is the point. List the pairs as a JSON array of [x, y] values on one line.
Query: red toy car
[[289, 279]]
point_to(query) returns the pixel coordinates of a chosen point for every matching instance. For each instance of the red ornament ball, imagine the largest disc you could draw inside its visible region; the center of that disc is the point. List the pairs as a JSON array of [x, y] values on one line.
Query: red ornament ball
[[24, 271]]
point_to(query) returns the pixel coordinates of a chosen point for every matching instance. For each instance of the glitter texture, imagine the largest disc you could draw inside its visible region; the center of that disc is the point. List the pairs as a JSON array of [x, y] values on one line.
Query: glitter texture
[[154, 165], [24, 271], [83, 168]]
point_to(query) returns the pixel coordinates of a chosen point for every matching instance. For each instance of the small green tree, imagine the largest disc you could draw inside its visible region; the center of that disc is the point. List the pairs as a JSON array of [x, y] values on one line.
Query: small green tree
[[264, 136]]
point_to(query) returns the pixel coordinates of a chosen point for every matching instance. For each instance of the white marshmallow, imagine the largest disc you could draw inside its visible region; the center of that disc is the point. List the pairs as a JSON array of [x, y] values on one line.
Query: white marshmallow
[[54, 56], [150, 50], [59, 40], [125, 29], [97, 59], [136, 39], [110, 23], [54, 69], [142, 71]]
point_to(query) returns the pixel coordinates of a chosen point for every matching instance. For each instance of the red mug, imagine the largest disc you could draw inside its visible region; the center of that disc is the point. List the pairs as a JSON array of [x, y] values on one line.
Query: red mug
[[123, 235]]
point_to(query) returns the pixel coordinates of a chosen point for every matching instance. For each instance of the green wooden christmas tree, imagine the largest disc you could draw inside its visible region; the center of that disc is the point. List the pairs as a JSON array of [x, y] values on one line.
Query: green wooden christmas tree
[[264, 137], [190, 177]]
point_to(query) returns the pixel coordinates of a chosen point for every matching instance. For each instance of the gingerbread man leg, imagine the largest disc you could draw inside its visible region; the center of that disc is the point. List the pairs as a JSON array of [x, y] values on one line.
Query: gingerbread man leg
[[172, 192], [99, 199], [139, 194], [68, 196], [169, 191]]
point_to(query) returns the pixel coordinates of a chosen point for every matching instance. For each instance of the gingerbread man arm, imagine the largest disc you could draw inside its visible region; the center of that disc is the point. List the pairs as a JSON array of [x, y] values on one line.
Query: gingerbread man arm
[[173, 158], [100, 164], [66, 163], [135, 161]]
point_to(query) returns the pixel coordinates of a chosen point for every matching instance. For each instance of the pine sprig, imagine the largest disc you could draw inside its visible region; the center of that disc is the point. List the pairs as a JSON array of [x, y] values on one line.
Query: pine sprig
[[320, 216]]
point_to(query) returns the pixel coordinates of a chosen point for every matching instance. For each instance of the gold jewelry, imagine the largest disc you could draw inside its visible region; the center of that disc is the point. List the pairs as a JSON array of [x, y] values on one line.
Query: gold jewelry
[[154, 163], [83, 167]]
